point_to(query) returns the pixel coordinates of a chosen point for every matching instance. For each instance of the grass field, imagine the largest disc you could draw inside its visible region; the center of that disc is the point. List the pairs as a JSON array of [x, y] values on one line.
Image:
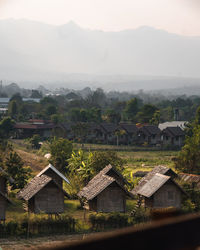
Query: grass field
[[135, 160]]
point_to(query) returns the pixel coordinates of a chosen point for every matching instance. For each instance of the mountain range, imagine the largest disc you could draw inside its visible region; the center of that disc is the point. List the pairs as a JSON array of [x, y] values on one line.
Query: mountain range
[[140, 58]]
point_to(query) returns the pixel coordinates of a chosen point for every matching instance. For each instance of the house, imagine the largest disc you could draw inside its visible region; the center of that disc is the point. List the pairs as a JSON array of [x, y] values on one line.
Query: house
[[27, 129], [158, 169], [158, 188], [106, 192], [4, 200], [173, 136], [161, 191], [108, 132], [130, 136], [149, 134], [44, 193], [180, 124]]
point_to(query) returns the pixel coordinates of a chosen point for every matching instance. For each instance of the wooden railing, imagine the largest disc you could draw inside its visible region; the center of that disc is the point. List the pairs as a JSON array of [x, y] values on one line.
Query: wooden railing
[[181, 232]]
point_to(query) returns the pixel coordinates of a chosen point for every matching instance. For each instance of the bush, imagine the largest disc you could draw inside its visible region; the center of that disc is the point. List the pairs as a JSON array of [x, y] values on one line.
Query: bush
[[103, 221], [39, 226]]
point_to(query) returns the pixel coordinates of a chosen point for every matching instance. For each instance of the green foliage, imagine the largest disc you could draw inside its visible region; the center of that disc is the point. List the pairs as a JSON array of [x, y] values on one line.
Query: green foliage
[[102, 221], [34, 141], [112, 116], [60, 150], [188, 159], [131, 109], [156, 118], [80, 164], [14, 167], [191, 202], [6, 127], [100, 160], [38, 226], [146, 113]]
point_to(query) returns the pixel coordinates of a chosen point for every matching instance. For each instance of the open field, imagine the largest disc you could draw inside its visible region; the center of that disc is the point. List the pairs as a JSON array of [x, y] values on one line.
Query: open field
[[144, 159]]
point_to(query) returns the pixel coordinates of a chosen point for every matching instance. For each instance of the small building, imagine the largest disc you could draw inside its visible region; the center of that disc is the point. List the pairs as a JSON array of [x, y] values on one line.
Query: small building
[[44, 129], [130, 136], [149, 134], [44, 193], [158, 169], [161, 191], [106, 192], [173, 136], [108, 132], [180, 124]]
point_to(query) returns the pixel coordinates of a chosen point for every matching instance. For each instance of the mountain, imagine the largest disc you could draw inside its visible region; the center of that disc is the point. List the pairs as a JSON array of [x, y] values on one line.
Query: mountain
[[34, 51]]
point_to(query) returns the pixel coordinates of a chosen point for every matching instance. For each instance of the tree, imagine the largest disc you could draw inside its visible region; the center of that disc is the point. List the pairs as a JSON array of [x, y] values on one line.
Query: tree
[[119, 133], [13, 109], [131, 109], [6, 127], [100, 160], [80, 164], [60, 150], [15, 169], [188, 159], [156, 118], [51, 110], [112, 116], [34, 141], [146, 113]]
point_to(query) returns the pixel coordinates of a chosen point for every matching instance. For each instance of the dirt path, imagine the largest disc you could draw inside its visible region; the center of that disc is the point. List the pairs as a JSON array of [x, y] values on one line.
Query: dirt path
[[34, 243]]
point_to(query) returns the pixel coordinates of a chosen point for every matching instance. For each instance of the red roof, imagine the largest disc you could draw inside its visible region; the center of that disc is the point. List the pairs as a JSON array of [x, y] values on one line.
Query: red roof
[[34, 126]]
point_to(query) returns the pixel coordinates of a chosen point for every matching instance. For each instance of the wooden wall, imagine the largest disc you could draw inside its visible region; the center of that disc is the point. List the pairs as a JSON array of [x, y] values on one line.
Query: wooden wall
[[49, 200], [54, 176], [3, 203], [112, 199], [169, 195]]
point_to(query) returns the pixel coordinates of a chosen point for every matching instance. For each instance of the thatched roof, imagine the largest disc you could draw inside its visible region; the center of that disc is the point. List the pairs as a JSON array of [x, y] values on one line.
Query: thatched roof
[[106, 171], [35, 185], [100, 182], [149, 188], [158, 169], [154, 184], [54, 170]]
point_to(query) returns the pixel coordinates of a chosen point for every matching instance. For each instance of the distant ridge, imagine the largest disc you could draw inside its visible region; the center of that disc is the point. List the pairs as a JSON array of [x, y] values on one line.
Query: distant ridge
[[37, 52]]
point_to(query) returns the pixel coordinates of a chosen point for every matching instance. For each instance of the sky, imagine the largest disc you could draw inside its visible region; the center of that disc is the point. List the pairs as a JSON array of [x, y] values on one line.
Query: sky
[[176, 16]]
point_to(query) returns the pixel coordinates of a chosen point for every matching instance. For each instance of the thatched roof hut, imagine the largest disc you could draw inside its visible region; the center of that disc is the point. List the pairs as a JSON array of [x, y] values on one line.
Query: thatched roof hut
[[106, 191], [43, 194], [158, 169], [161, 191]]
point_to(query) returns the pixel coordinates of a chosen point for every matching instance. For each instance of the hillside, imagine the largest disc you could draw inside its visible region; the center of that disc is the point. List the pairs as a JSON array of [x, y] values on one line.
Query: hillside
[[34, 51]]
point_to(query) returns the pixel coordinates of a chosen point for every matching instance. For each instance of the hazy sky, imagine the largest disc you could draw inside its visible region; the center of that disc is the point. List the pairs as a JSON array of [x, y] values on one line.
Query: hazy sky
[[178, 16]]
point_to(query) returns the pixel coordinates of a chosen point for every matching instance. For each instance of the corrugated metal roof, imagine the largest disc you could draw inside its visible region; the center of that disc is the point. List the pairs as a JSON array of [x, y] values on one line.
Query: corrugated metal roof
[[191, 178], [157, 181]]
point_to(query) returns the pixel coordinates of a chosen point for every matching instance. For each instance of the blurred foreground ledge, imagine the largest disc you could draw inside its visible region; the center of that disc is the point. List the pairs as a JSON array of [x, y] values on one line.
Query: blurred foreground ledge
[[168, 230]]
